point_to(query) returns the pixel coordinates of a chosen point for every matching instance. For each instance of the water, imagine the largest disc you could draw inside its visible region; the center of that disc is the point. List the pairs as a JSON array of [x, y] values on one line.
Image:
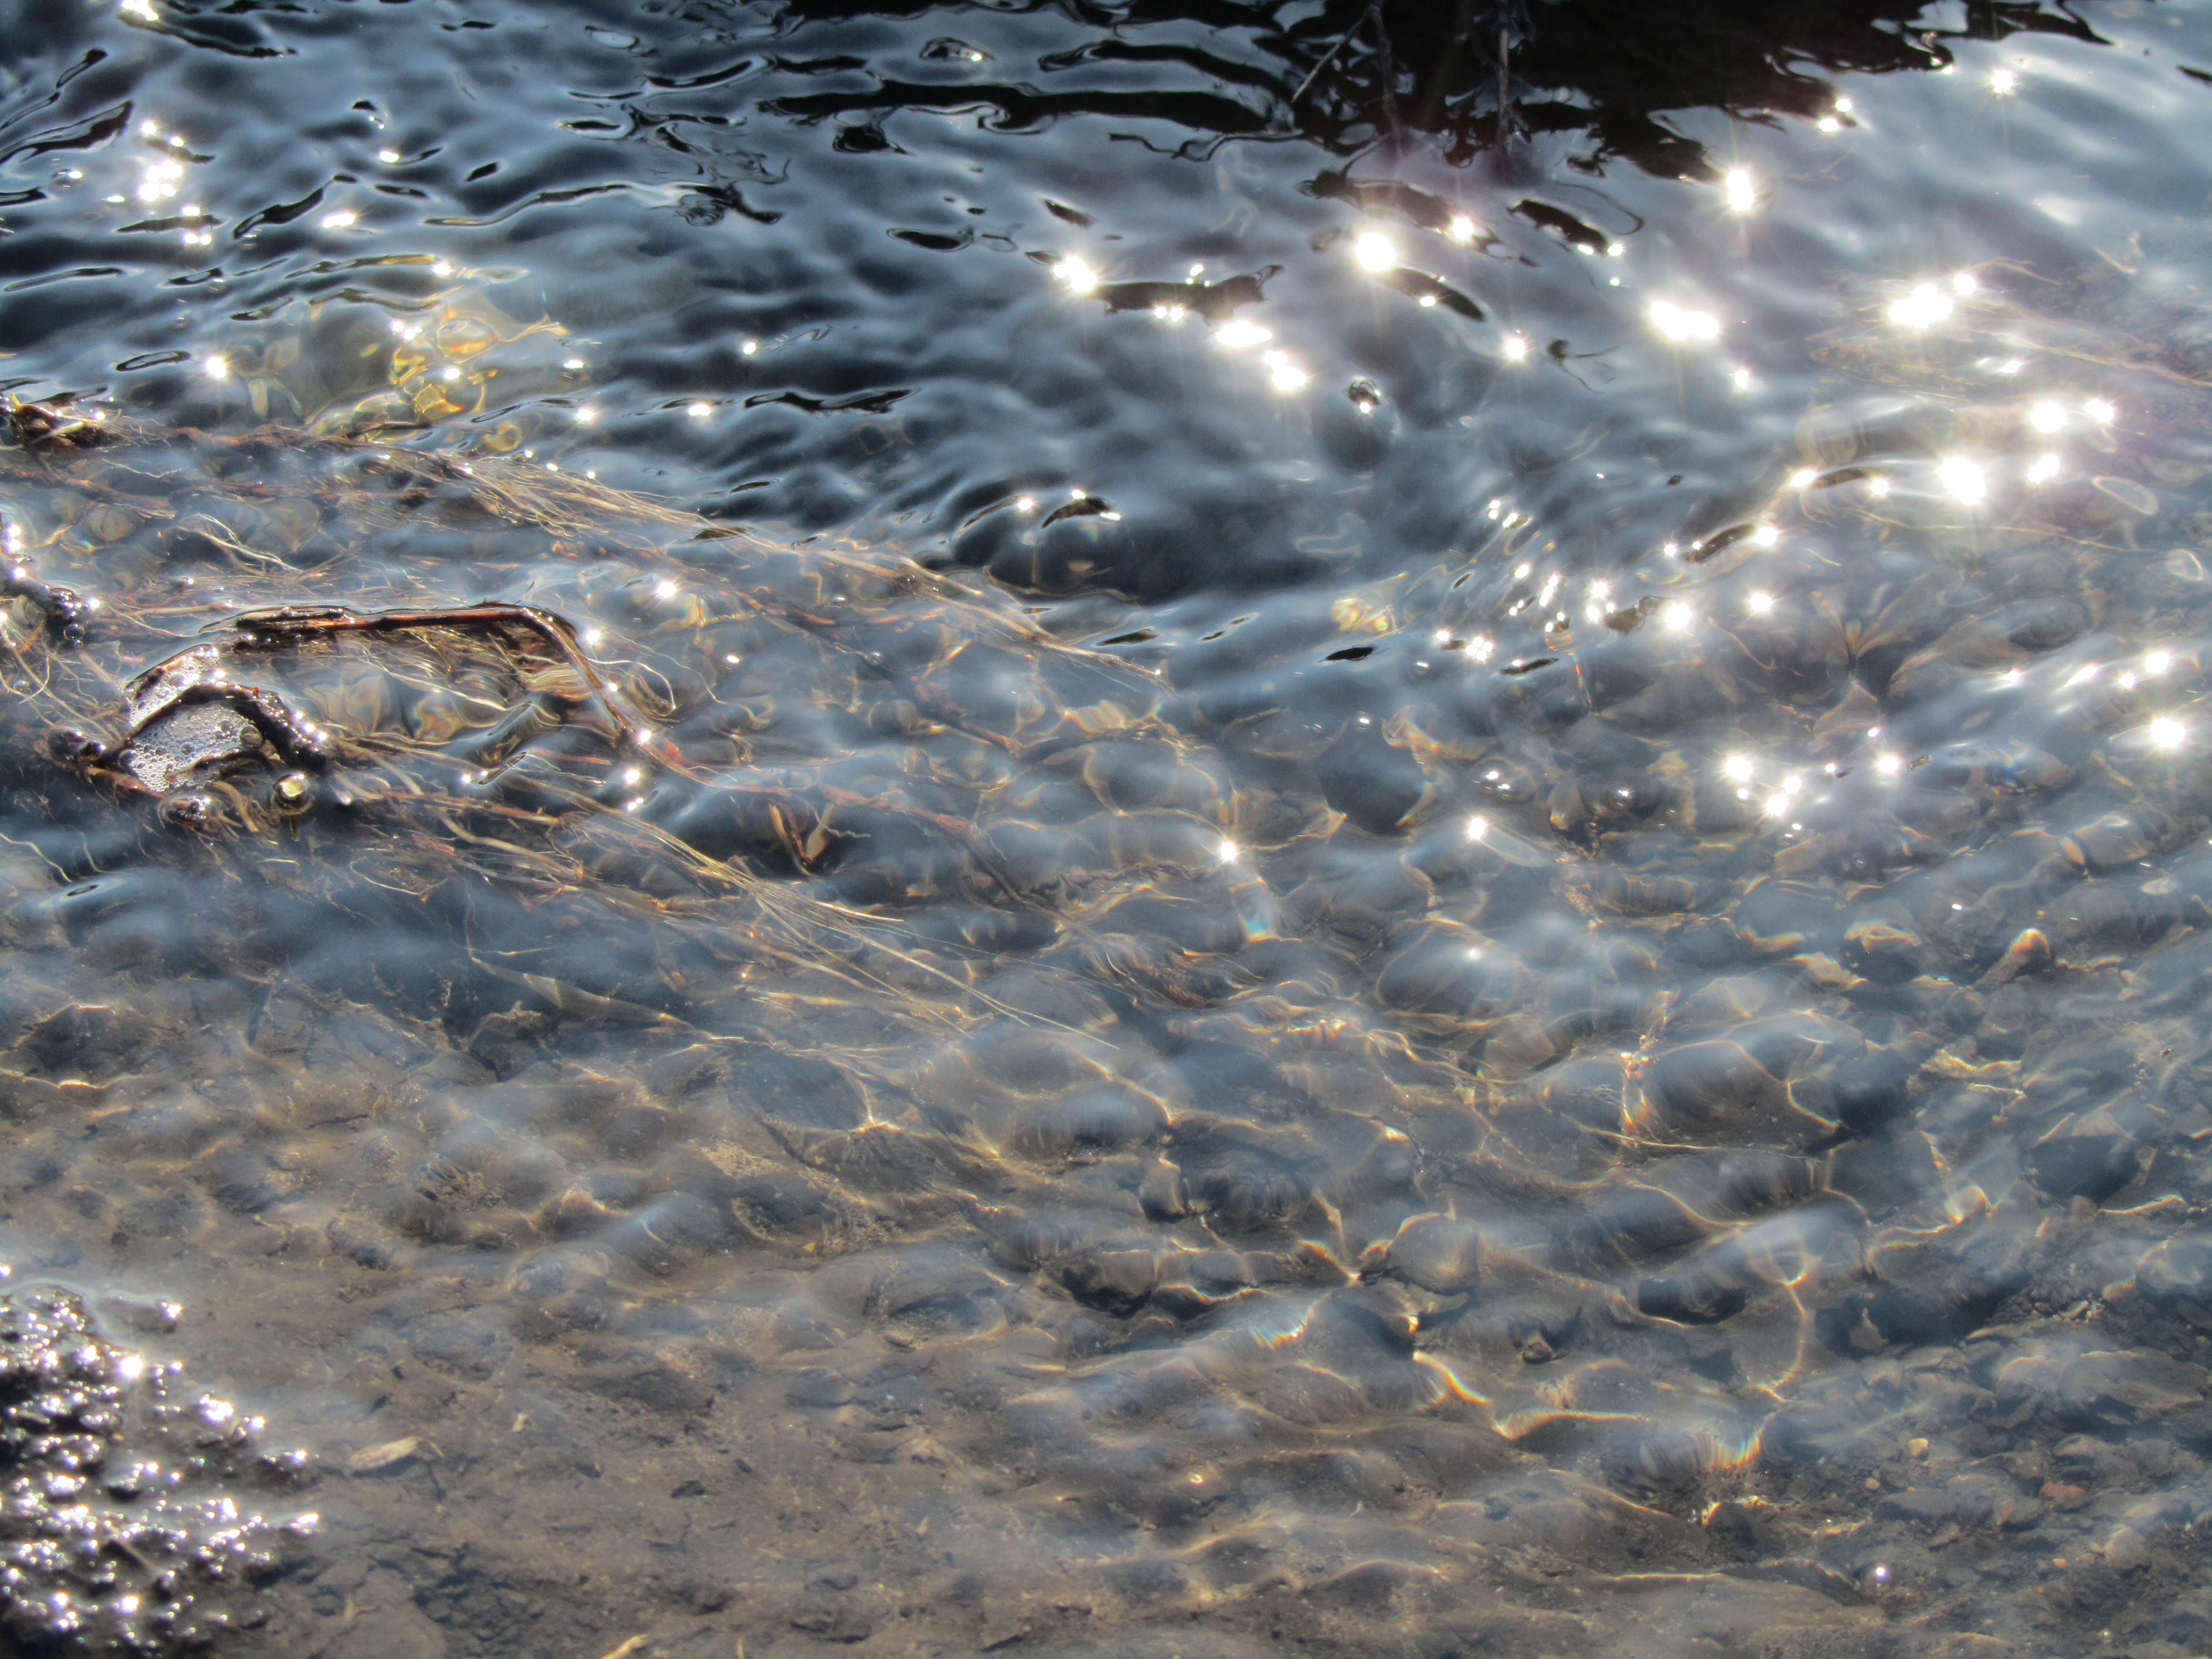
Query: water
[[1156, 849]]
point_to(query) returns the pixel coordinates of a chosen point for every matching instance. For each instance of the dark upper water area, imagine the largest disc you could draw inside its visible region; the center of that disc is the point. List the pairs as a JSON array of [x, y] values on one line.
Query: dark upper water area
[[1340, 828]]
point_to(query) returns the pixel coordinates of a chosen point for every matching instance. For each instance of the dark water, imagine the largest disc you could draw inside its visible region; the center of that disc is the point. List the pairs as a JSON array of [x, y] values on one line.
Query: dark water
[[1321, 828]]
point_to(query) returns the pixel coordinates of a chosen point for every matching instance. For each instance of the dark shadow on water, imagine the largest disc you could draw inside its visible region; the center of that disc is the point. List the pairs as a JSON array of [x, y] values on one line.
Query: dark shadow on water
[[1362, 75]]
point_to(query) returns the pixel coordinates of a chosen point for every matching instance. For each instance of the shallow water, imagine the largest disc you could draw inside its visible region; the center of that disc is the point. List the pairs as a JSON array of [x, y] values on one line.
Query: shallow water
[[1266, 868]]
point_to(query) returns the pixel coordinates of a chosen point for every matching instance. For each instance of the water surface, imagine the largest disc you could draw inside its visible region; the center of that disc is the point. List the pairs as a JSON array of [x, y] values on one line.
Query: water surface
[[1341, 828]]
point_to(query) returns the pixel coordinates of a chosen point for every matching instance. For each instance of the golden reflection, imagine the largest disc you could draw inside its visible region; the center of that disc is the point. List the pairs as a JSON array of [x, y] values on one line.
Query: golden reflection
[[1455, 1386], [1276, 1335], [1964, 1204]]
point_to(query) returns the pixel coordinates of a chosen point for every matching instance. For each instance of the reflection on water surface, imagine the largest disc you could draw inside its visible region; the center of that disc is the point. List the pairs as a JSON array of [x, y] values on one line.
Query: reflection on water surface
[[1347, 828]]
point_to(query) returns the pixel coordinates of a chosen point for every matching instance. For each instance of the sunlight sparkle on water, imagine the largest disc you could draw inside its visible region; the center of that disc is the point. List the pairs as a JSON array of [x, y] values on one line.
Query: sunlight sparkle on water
[[161, 182], [2004, 83], [2043, 469], [1477, 827], [1737, 768], [1961, 479], [1238, 333], [215, 368], [700, 412], [1742, 193], [1678, 324], [2157, 662], [1925, 307], [2047, 416], [1077, 274], [1284, 374], [1375, 251], [1760, 603], [2100, 411], [2166, 733], [1514, 348], [1462, 228], [1677, 617]]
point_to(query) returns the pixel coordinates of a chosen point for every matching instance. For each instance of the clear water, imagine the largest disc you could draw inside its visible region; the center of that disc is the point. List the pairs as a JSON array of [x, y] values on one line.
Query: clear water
[[1288, 871]]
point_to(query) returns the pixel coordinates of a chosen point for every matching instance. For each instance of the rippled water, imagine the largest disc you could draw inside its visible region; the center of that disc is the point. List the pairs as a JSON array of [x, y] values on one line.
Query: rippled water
[[1097, 830]]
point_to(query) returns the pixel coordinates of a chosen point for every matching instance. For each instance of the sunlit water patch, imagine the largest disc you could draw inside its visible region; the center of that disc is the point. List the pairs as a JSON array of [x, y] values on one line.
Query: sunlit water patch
[[1117, 834]]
